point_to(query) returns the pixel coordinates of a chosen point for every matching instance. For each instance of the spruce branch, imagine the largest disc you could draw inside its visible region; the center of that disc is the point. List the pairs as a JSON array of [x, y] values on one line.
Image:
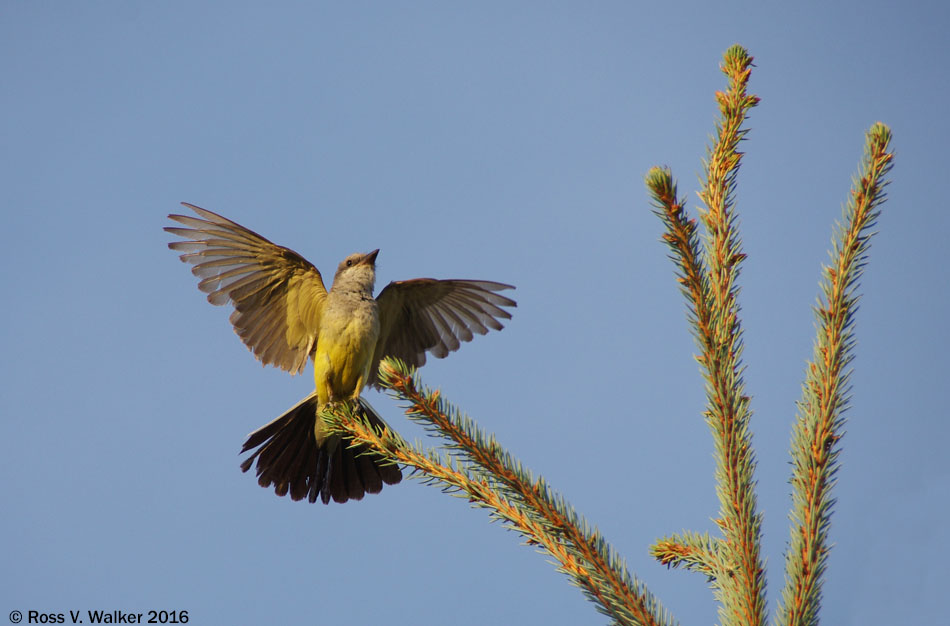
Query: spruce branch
[[693, 551], [708, 280], [477, 467], [685, 250], [826, 391]]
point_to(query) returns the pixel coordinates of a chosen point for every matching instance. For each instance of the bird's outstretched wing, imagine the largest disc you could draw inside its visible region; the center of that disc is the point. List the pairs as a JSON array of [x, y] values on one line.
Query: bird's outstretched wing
[[429, 315], [278, 295]]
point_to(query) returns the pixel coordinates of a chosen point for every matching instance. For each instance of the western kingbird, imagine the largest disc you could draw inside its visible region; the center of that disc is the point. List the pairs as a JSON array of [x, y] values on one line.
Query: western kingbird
[[286, 317]]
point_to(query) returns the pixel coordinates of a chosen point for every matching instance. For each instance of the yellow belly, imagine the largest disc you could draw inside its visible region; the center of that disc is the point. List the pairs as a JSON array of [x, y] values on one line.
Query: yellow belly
[[343, 358]]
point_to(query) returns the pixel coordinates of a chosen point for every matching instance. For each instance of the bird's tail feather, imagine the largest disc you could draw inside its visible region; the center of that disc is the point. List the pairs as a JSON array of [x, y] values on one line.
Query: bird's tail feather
[[289, 458]]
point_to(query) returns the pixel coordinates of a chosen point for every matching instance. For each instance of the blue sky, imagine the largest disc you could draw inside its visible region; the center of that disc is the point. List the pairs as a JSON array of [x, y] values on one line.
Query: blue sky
[[501, 141]]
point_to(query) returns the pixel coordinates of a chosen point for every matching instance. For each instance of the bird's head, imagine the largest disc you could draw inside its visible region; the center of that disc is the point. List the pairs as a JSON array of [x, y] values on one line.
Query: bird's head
[[357, 272]]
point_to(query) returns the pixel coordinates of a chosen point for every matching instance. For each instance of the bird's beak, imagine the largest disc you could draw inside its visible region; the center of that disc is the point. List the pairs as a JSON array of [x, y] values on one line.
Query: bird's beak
[[370, 258]]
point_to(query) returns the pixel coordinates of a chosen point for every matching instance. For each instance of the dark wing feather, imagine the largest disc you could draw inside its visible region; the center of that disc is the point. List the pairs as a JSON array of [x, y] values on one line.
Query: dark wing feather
[[278, 295], [429, 315]]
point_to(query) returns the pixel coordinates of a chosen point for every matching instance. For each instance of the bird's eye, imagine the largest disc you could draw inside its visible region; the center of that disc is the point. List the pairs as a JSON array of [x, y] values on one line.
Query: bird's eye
[[349, 263]]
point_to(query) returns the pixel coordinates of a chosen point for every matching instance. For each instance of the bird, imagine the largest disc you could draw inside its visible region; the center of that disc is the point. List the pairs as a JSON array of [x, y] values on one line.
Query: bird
[[287, 318]]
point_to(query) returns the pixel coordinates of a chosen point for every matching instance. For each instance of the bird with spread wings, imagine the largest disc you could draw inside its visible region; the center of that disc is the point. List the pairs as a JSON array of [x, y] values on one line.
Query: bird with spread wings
[[285, 315]]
